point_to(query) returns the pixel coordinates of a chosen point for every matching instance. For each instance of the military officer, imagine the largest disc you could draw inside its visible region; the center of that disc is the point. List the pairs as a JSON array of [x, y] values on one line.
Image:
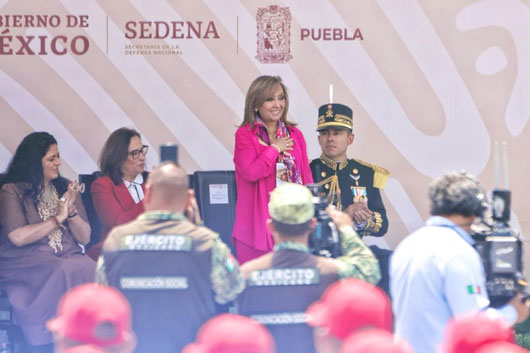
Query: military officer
[[352, 185]]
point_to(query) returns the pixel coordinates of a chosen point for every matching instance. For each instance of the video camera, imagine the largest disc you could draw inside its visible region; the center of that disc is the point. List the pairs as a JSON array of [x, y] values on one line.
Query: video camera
[[324, 240], [500, 247], [501, 251]]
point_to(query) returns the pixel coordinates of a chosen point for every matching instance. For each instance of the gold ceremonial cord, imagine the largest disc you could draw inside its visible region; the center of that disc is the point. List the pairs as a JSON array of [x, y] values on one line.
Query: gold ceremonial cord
[[334, 189]]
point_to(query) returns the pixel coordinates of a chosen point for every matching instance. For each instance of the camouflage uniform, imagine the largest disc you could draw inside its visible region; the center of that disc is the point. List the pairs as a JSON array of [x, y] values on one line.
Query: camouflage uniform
[[293, 204], [173, 273], [282, 284]]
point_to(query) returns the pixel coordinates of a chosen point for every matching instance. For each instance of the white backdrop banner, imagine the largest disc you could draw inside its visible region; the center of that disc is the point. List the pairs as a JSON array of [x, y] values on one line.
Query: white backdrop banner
[[433, 84]]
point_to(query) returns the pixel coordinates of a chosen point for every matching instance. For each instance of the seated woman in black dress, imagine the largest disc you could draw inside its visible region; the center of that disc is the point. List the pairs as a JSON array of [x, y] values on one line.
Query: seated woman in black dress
[[43, 221]]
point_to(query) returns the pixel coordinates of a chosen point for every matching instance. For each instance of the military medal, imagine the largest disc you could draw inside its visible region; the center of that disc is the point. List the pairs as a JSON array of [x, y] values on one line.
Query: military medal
[[359, 193]]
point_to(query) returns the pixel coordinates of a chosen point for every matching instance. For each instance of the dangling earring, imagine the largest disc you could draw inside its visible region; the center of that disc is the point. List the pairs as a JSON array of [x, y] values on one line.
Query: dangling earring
[[256, 110]]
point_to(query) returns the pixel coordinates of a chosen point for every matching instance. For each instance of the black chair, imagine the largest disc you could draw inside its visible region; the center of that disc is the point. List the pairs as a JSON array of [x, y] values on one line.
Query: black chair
[[191, 181], [95, 223], [7, 328], [217, 216], [216, 195], [6, 323]]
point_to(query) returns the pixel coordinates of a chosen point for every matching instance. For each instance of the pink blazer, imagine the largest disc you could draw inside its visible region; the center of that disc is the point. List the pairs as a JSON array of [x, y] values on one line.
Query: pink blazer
[[114, 206], [255, 167]]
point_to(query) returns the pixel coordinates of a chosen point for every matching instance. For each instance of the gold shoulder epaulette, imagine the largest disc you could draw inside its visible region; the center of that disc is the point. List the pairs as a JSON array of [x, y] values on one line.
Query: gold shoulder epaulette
[[381, 175]]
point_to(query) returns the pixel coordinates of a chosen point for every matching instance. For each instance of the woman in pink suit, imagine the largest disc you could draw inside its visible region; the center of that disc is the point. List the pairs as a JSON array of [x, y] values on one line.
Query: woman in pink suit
[[269, 150], [119, 192]]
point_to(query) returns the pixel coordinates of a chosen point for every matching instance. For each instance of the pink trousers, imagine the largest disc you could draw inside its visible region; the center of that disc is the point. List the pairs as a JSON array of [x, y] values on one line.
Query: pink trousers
[[245, 253]]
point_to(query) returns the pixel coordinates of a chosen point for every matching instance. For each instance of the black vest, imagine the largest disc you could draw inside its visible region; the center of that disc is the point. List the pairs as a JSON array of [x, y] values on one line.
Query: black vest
[[166, 278], [279, 288]]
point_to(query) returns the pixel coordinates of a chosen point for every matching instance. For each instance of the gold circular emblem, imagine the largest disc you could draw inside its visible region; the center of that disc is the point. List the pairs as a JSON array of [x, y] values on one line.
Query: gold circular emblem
[[323, 174], [355, 171], [326, 186]]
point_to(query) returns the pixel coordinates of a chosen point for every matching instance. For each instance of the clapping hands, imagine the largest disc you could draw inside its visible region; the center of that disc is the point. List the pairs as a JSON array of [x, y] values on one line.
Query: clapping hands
[[359, 210]]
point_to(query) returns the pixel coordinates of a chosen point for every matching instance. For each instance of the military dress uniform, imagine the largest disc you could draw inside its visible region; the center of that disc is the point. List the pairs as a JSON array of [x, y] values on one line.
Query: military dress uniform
[[353, 178], [343, 181]]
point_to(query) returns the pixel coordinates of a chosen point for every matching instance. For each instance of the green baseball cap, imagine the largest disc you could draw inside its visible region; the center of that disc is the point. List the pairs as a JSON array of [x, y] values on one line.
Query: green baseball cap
[[291, 204]]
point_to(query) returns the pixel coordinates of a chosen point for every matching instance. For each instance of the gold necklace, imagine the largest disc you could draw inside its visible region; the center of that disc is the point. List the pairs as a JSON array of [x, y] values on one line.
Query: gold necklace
[[49, 207]]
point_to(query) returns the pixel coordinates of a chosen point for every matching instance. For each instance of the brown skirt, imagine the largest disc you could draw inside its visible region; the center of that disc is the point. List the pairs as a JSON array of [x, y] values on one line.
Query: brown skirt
[[35, 282]]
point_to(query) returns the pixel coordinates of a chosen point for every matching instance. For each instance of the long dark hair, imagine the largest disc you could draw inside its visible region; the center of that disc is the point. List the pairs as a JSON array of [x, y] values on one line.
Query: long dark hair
[[26, 164], [115, 153]]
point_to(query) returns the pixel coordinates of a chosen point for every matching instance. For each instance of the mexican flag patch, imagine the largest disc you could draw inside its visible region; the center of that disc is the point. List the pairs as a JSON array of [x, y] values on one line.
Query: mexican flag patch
[[473, 289], [230, 263]]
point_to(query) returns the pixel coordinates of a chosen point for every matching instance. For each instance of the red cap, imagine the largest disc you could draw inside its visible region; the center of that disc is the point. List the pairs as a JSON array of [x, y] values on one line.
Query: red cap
[[84, 349], [349, 305], [93, 314], [229, 333], [466, 333], [501, 347], [374, 341]]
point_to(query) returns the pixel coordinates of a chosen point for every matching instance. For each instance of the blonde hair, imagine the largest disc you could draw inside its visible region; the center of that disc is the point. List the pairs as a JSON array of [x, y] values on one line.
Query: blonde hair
[[257, 94]]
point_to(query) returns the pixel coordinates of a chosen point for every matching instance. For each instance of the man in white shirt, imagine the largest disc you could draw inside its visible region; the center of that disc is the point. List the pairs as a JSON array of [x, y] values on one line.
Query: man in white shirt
[[435, 273]]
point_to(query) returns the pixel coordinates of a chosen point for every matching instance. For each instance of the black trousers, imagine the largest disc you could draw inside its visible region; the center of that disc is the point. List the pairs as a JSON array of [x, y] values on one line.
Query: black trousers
[[383, 256]]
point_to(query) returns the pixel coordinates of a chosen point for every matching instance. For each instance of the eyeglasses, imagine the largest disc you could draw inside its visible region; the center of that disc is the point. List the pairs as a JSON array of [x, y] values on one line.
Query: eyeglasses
[[136, 153]]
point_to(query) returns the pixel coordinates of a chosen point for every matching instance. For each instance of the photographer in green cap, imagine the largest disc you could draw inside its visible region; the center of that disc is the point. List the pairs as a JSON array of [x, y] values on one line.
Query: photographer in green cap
[[282, 284]]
